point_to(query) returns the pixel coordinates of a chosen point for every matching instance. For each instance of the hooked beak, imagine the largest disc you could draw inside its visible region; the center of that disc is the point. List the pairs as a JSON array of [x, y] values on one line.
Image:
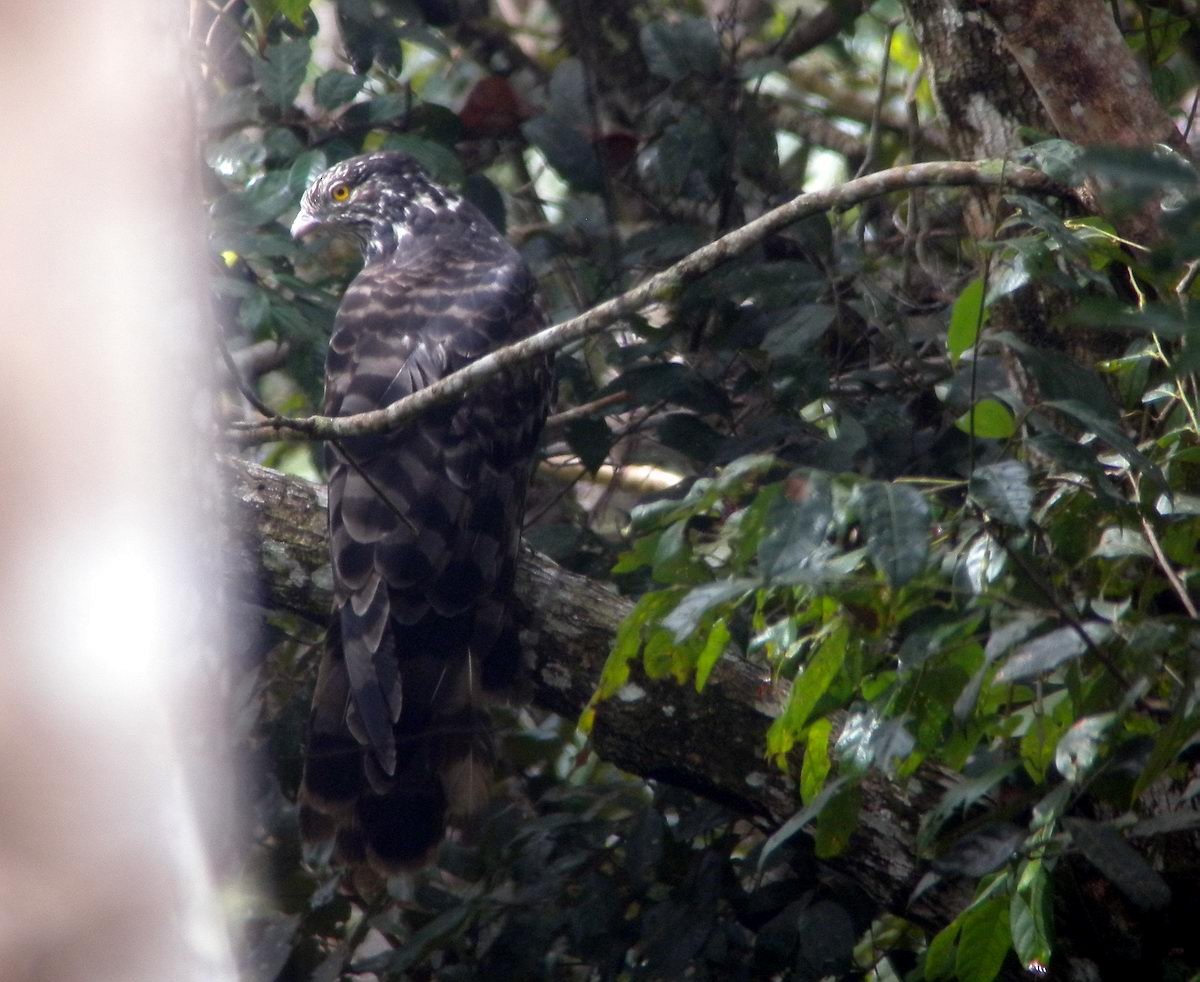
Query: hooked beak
[[304, 224]]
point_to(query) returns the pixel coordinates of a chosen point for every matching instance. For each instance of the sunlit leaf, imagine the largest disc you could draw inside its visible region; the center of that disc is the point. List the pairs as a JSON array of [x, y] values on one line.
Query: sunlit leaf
[[698, 601], [984, 942], [809, 685], [967, 317], [815, 768], [1080, 746], [1047, 652], [989, 419], [1031, 915], [714, 647]]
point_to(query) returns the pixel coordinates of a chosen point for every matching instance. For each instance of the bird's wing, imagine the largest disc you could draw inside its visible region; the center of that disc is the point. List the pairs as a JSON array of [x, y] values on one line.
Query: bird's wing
[[424, 526]]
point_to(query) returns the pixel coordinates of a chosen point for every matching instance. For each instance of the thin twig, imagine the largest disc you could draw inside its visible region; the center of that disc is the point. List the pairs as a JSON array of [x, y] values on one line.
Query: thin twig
[[1169, 571], [660, 287], [235, 376], [586, 410], [1072, 621]]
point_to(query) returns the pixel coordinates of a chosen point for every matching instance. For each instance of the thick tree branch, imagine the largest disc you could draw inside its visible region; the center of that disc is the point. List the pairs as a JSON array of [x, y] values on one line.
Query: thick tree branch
[[711, 742], [659, 287]]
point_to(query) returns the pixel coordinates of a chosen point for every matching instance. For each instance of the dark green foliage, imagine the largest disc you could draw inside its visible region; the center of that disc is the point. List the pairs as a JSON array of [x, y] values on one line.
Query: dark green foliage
[[942, 565]]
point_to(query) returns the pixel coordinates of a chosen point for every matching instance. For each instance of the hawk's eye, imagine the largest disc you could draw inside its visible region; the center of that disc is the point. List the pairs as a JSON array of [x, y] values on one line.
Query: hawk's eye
[[339, 192]]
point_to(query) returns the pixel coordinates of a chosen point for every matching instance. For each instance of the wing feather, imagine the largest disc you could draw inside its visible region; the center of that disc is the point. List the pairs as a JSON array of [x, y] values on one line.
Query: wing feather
[[424, 526]]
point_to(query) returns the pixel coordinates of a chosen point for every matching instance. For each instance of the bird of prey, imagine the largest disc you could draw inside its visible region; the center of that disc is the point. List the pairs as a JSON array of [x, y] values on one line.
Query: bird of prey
[[424, 522]]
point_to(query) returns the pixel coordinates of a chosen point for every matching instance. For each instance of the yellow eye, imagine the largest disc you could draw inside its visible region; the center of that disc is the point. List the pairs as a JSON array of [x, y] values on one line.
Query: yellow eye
[[340, 192]]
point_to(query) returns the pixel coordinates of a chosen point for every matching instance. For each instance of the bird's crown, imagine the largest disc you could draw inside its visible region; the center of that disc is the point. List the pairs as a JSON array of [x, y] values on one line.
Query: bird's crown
[[375, 197]]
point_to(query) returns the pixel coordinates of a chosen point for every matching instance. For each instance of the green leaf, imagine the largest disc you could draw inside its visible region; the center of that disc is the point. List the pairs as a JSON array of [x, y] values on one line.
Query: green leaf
[[960, 797], [1040, 742], [967, 318], [440, 161], [254, 310], [1047, 652], [714, 647], [673, 561], [798, 330], [1080, 746], [939, 956], [689, 145], [815, 768], [794, 550], [989, 419], [690, 435], [1059, 377], [236, 158], [1104, 848], [1110, 434], [566, 150], [1143, 170], [281, 72], [895, 524], [670, 382], [798, 821], [1030, 915], [837, 822], [1002, 490], [568, 91], [814, 679], [336, 88], [980, 851], [984, 942], [1172, 738], [628, 642], [293, 10], [689, 46], [698, 601], [304, 170]]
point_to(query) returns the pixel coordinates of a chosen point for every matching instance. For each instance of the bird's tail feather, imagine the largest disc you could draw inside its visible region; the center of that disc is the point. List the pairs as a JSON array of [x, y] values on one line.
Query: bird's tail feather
[[354, 812]]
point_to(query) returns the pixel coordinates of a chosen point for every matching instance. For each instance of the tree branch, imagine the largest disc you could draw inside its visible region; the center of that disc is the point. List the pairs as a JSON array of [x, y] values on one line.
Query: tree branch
[[710, 743], [659, 287]]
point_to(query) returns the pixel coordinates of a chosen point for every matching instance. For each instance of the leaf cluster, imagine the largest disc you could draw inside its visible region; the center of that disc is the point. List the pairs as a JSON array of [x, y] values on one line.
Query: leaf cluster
[[955, 523]]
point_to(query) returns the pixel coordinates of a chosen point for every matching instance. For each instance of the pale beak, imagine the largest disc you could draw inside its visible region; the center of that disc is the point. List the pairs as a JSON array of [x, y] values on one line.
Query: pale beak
[[304, 224]]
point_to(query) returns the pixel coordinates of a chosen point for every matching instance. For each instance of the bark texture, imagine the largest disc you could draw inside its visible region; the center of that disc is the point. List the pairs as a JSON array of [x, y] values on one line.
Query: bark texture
[[1085, 76]]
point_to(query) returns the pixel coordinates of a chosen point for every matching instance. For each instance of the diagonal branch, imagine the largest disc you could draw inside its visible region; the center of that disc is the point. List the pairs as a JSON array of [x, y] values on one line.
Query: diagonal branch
[[660, 287]]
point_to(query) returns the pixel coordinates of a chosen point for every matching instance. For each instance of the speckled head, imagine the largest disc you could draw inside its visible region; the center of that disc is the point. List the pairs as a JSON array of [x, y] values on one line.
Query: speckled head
[[376, 199]]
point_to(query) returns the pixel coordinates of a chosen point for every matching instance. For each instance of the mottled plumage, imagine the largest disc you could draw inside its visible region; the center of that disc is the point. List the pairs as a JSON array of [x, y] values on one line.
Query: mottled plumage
[[424, 522]]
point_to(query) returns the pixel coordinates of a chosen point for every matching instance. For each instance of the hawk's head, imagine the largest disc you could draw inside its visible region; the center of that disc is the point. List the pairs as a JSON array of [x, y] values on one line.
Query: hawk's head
[[378, 199]]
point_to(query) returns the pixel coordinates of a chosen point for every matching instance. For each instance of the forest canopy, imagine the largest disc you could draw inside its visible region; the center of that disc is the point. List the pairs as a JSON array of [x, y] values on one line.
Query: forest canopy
[[879, 520]]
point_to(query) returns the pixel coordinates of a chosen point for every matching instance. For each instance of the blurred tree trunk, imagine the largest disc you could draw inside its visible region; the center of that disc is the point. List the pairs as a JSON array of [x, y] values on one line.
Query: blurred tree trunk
[[106, 557]]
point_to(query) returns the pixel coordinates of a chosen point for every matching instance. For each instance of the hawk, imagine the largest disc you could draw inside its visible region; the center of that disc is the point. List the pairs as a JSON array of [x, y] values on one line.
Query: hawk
[[424, 522]]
